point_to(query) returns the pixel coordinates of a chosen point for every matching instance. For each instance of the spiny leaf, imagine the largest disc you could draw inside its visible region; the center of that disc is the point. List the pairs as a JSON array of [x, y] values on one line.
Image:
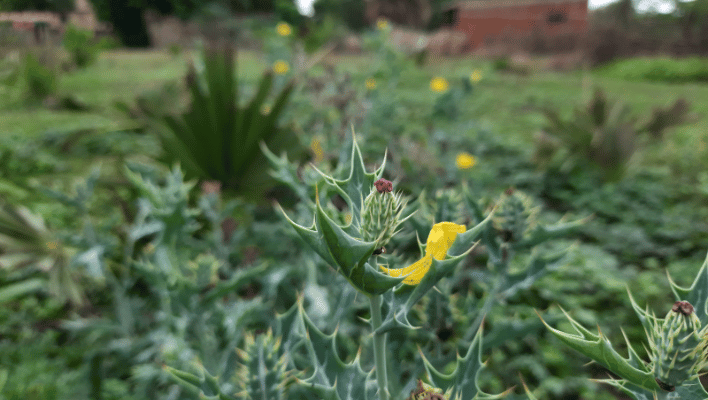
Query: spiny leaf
[[538, 267], [331, 378], [598, 348], [358, 184], [463, 380], [697, 294], [692, 390], [347, 254]]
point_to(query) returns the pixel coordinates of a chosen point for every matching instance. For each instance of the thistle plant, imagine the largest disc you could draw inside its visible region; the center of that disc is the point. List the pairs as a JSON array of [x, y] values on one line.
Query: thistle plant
[[263, 373], [353, 250], [677, 347]]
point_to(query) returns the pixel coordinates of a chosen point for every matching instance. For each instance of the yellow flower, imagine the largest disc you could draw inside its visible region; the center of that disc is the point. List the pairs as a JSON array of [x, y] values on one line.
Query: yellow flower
[[265, 110], [52, 245], [382, 23], [371, 83], [439, 84], [476, 76], [281, 67], [316, 148], [440, 239], [465, 160], [283, 29]]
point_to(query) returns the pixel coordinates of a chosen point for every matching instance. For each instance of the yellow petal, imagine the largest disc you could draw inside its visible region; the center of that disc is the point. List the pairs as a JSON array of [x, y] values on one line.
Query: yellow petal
[[441, 238], [415, 271]]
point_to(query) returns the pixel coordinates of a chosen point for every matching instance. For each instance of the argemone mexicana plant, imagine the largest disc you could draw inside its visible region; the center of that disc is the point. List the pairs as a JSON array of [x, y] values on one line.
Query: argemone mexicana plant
[[352, 250], [677, 347]]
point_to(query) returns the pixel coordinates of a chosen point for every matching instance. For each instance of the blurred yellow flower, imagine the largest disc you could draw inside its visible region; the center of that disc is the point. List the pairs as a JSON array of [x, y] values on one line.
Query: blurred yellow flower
[[371, 83], [283, 29], [382, 23], [52, 245], [265, 110], [465, 160], [476, 76], [316, 148], [441, 237], [281, 67], [439, 84]]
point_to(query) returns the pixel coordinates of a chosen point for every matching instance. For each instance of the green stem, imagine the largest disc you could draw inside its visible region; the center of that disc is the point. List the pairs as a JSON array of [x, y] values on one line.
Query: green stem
[[379, 348]]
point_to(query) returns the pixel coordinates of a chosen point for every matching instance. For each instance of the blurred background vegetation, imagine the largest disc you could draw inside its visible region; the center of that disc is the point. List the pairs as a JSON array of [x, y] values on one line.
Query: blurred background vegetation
[[136, 219]]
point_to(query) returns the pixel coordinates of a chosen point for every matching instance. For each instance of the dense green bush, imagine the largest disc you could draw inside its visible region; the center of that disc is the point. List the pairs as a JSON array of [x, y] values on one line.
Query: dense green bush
[[218, 138], [80, 44], [41, 78], [669, 70]]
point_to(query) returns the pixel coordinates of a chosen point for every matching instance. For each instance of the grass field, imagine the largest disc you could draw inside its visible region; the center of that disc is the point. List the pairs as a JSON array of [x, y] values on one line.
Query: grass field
[[507, 102]]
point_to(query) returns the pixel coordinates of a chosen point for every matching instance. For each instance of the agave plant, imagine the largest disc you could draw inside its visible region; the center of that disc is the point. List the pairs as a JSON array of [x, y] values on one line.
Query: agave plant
[[218, 137], [604, 133], [26, 243]]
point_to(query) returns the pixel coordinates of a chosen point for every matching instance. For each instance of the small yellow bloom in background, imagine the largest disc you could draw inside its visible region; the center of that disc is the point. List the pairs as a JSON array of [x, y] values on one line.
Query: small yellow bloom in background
[[371, 83], [439, 85], [52, 245], [476, 76], [465, 160], [281, 67], [283, 29], [265, 110], [316, 148], [382, 23], [440, 239]]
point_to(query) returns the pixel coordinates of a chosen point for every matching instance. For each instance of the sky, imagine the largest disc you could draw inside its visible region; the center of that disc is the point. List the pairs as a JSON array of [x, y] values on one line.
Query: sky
[[662, 6]]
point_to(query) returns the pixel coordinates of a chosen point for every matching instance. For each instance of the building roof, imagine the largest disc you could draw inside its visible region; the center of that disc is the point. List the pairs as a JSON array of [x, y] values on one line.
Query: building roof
[[482, 4]]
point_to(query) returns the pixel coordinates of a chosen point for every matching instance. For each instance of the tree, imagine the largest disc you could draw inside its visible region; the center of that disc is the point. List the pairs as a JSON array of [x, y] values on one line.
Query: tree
[[60, 6]]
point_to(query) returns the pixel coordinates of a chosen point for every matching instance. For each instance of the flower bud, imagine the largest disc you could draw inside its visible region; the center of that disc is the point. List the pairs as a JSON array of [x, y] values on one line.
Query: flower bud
[[423, 391], [381, 213], [514, 215], [678, 347]]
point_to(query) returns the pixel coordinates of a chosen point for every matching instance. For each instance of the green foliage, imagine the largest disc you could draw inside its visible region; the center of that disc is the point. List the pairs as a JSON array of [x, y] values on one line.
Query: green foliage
[[341, 246], [60, 6], [263, 374], [668, 70], [9, 69], [638, 376], [447, 105], [218, 138], [40, 78], [26, 243], [80, 44], [350, 12], [604, 133], [463, 381]]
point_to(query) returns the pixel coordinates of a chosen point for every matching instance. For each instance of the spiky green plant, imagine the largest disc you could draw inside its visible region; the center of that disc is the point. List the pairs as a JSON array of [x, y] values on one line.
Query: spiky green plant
[[605, 133], [381, 214], [514, 215], [26, 242], [218, 138], [264, 369], [677, 345]]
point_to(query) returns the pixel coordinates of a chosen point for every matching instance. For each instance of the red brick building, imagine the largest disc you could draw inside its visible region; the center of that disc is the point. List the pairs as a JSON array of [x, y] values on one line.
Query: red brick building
[[536, 25]]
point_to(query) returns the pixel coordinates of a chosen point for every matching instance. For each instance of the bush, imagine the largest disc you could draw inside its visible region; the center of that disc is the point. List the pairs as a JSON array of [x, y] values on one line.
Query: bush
[[41, 79], [694, 69], [79, 43], [218, 138]]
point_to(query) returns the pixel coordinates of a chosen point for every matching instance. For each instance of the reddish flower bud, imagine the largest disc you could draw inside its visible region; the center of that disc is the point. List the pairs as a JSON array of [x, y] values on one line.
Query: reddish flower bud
[[682, 307], [383, 186]]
